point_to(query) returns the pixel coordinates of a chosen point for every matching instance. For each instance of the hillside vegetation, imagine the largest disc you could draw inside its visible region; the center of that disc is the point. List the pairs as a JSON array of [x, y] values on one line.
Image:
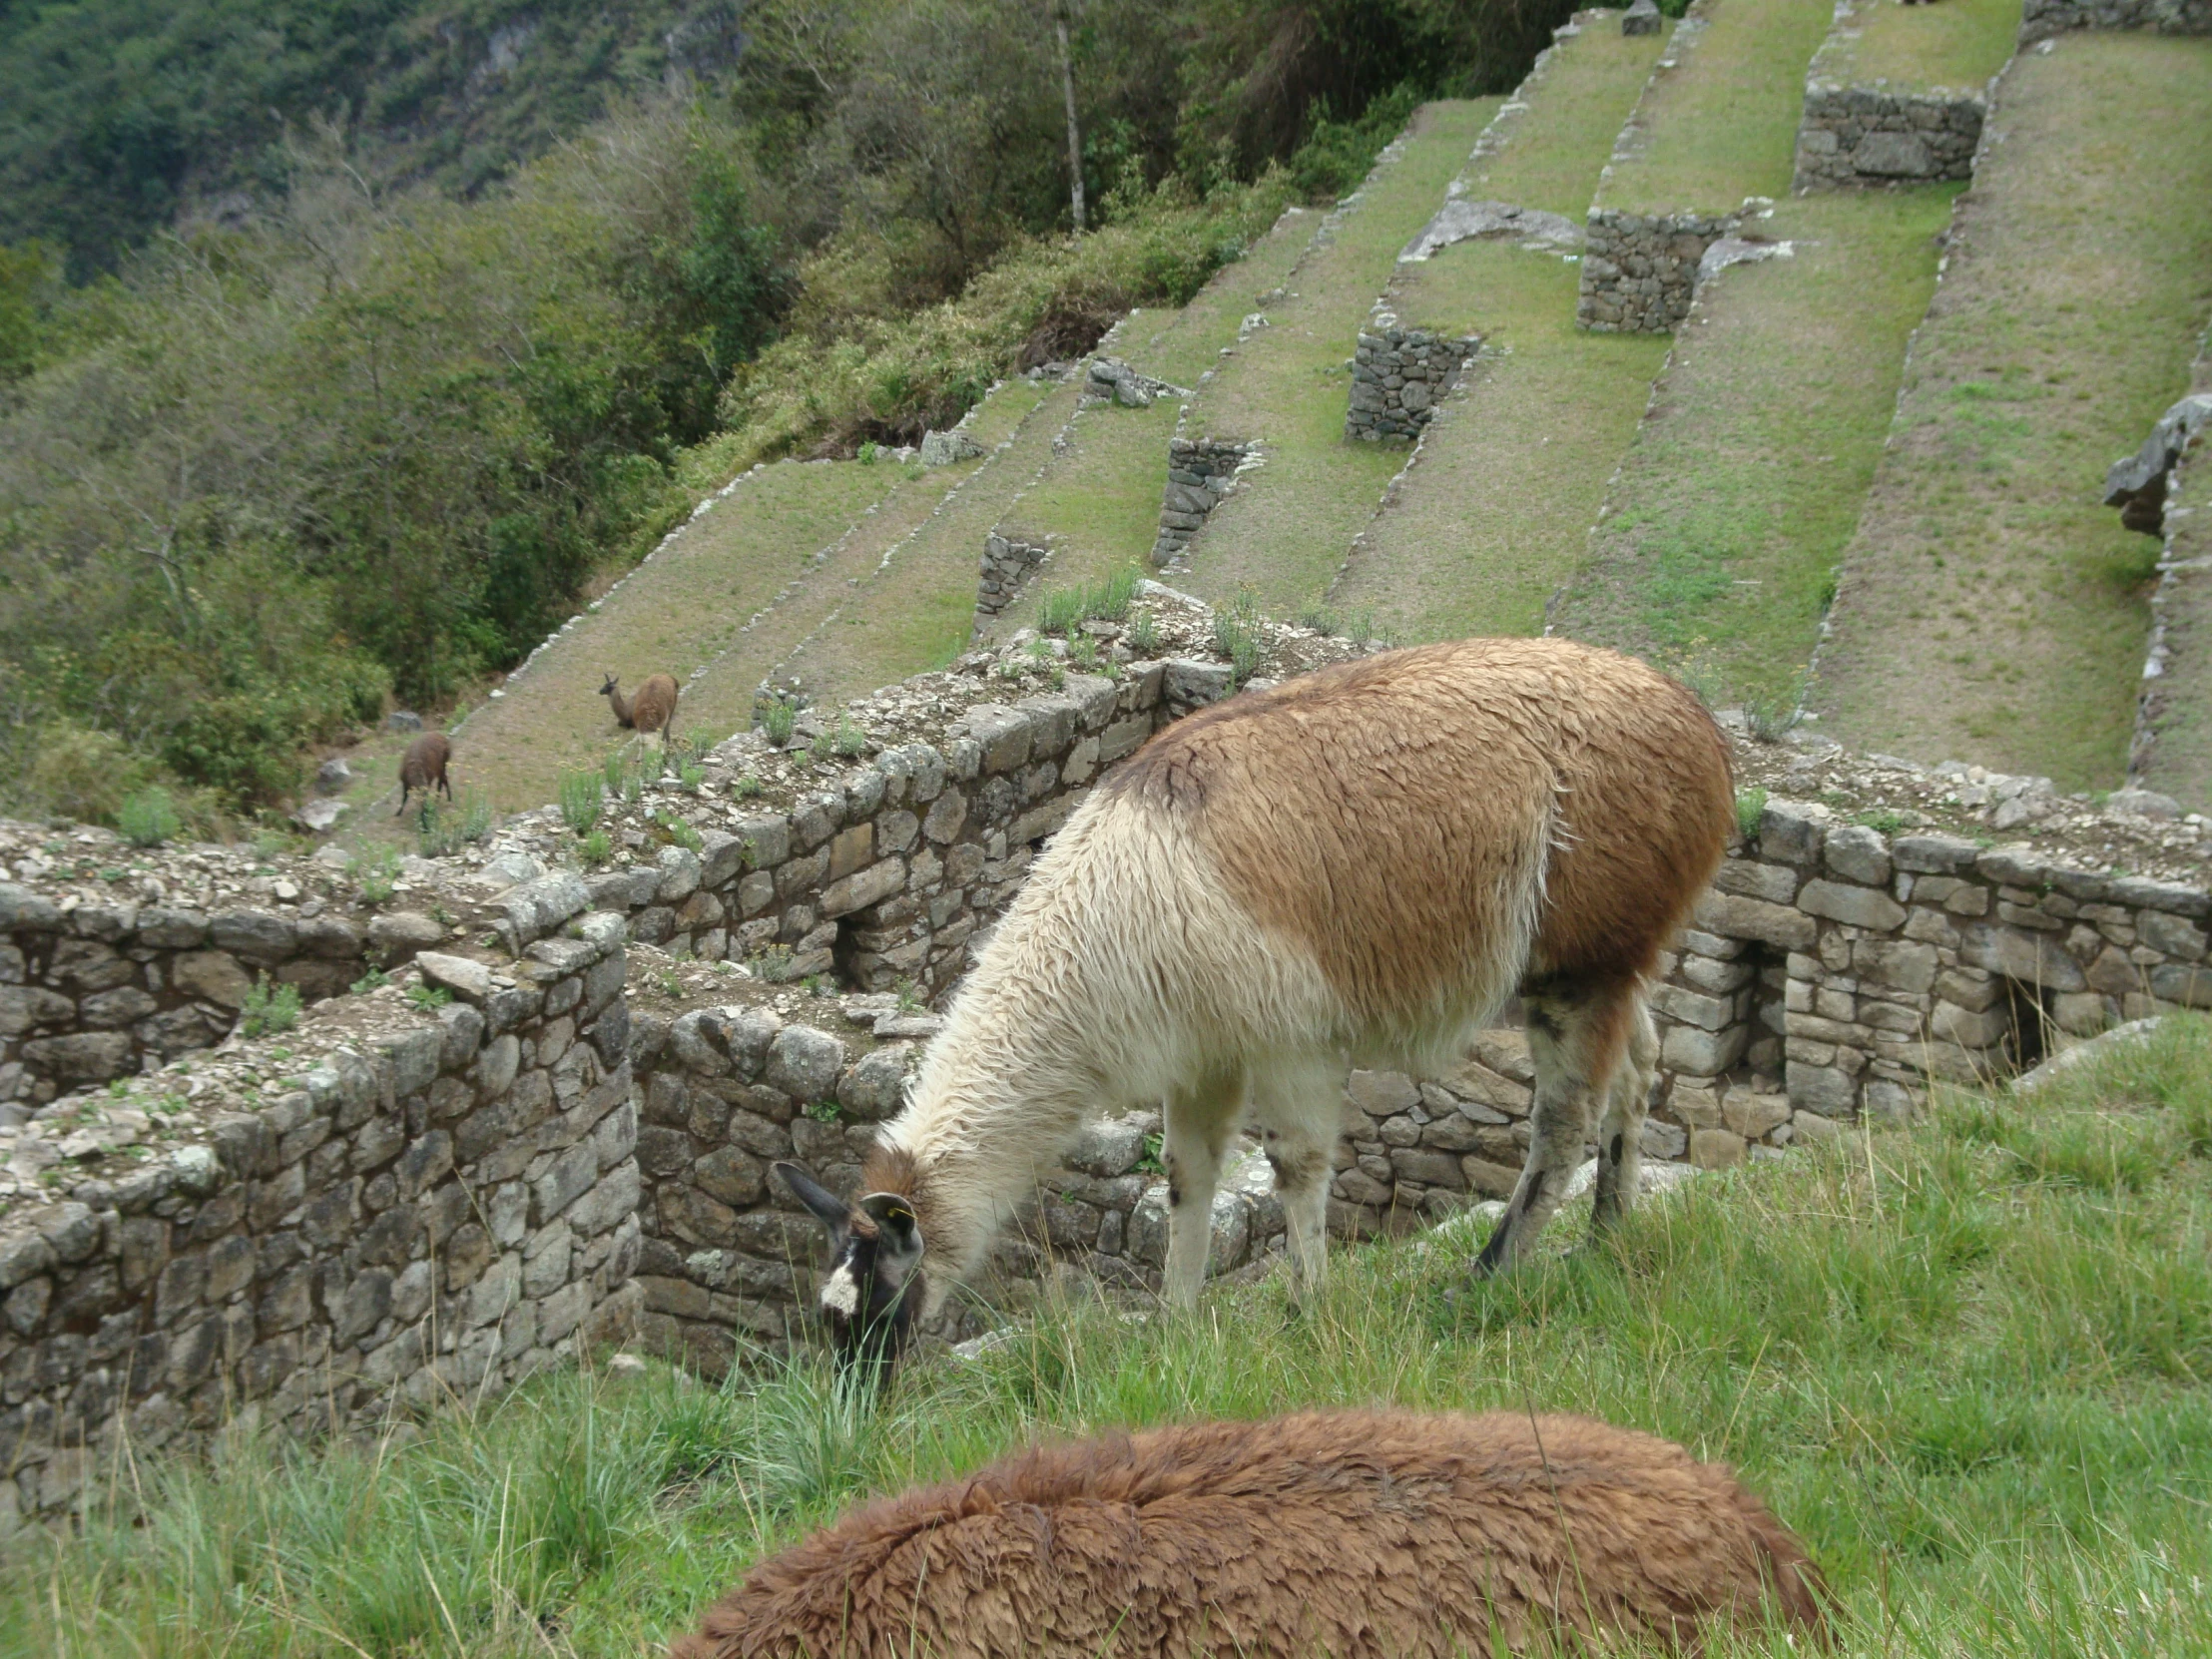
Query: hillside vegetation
[[326, 433], [1966, 1361]]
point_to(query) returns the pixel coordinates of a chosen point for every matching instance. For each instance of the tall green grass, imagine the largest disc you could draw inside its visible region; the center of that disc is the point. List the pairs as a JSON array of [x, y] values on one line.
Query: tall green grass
[[1967, 1361]]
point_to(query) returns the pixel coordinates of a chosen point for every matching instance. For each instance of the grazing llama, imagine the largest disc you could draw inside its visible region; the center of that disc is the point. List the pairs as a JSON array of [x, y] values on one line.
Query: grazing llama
[[1359, 868], [651, 709], [1356, 1534], [424, 768]]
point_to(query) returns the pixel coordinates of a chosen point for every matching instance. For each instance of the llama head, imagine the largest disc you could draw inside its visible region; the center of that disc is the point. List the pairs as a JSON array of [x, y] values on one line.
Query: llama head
[[872, 1293], [608, 690]]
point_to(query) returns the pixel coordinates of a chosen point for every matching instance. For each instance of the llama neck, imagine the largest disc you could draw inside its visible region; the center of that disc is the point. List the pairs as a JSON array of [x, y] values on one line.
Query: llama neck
[[1004, 1089], [621, 706]]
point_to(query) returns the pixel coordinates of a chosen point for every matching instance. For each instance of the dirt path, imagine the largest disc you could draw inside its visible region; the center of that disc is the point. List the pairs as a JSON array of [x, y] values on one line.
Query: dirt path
[[1717, 549], [1990, 607], [1283, 534], [1496, 509]]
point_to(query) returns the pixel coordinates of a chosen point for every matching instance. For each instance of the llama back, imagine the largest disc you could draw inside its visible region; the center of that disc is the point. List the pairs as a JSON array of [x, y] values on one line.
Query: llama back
[[1382, 1534]]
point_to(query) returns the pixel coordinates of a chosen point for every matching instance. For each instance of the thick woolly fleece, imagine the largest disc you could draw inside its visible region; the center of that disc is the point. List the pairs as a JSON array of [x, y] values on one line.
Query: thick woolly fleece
[[1354, 1534]]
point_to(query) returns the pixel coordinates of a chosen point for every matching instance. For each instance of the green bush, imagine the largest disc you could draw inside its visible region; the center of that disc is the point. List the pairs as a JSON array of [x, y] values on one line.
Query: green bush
[[581, 796], [775, 715], [147, 818], [269, 1008]]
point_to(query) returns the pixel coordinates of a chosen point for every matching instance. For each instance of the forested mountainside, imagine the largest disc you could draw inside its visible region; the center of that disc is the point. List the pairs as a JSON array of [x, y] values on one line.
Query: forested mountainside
[[341, 347]]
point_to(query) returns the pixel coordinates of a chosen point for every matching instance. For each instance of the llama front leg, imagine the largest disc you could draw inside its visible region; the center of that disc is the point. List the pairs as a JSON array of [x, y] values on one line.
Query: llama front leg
[[1576, 1033], [1199, 1122], [1620, 1154]]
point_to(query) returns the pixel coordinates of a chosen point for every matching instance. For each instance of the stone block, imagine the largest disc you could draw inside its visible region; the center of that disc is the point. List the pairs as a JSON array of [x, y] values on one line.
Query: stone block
[[1736, 916], [1854, 907]]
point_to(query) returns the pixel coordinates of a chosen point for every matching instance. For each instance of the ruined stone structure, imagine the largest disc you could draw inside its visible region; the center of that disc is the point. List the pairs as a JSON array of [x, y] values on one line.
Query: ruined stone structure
[[554, 1123], [1640, 269], [1200, 473], [1399, 375], [1855, 135], [2041, 19], [1008, 561]]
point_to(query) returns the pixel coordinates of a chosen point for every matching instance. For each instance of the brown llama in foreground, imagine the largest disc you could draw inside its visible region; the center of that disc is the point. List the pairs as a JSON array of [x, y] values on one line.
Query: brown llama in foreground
[[1353, 1534], [1358, 867], [424, 768], [651, 708]]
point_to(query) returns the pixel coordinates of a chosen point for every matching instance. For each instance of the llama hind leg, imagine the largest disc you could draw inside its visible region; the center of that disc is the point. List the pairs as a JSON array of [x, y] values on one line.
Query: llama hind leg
[[1620, 1154], [1200, 1119], [1298, 1112], [1577, 1030]]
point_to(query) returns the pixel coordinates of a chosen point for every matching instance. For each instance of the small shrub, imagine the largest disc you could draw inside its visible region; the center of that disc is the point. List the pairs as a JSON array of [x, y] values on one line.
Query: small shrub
[[774, 714], [1887, 821], [1751, 805], [690, 777], [851, 738], [679, 832], [1109, 600], [581, 794], [612, 770], [746, 788], [269, 1008], [774, 966], [148, 818], [374, 877], [825, 747], [871, 452], [1060, 610], [597, 849], [1237, 636], [427, 998], [1318, 618], [822, 1111], [1144, 632], [375, 979], [1150, 1163], [1083, 654]]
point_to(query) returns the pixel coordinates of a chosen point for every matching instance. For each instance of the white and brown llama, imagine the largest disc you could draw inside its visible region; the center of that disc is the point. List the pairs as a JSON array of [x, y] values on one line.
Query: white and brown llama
[[1359, 868]]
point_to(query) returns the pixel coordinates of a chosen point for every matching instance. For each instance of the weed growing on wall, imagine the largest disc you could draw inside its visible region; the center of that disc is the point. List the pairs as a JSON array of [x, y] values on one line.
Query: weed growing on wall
[[269, 1008], [581, 798]]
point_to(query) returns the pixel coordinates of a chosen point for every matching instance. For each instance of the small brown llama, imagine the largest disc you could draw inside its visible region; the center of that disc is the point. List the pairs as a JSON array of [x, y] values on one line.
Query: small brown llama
[[424, 768], [650, 709], [1378, 1534]]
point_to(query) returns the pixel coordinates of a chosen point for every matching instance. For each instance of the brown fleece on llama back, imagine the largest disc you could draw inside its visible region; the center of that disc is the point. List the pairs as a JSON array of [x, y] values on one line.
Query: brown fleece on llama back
[[1355, 1534]]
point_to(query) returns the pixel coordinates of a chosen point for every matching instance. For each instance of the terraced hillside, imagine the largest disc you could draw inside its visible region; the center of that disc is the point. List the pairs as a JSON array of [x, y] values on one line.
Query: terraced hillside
[[1990, 607], [1087, 481], [1283, 534], [1497, 507]]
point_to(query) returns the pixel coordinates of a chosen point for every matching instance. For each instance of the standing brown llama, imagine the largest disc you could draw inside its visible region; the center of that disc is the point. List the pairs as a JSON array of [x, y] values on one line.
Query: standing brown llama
[[424, 768], [1381, 1535], [651, 709]]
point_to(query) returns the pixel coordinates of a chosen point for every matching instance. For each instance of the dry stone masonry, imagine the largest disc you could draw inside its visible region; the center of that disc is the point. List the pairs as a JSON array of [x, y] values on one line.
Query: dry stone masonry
[[1008, 561], [1856, 133], [1200, 473], [386, 1206], [1639, 271], [554, 1123], [2042, 19], [1399, 375]]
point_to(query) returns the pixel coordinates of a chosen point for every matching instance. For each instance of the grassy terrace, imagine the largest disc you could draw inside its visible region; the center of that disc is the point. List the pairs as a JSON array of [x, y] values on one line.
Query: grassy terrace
[[1285, 536], [1099, 491], [1959, 44], [1967, 1361], [1722, 532], [1990, 607], [1722, 124], [671, 616], [1496, 511]]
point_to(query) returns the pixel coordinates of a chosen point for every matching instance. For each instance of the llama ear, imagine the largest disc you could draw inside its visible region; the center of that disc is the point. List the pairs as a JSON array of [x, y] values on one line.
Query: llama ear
[[902, 1248], [826, 1207]]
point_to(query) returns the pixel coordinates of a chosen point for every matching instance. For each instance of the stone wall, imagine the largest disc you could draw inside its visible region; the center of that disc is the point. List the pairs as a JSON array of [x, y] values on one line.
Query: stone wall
[[1854, 135], [386, 1204], [2171, 750], [2041, 19], [1008, 561], [1640, 269], [1200, 473], [1399, 375]]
